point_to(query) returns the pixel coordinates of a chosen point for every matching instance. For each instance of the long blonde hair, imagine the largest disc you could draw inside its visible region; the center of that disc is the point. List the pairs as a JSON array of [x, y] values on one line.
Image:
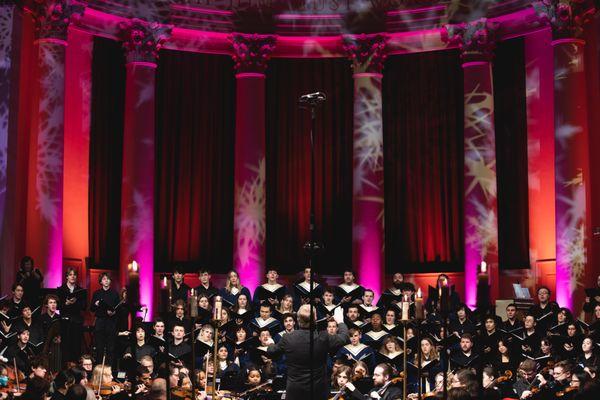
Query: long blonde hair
[[228, 281], [105, 372]]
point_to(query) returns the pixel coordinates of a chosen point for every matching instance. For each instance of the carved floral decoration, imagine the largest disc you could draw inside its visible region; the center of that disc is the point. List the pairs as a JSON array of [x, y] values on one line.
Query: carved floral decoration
[[142, 40], [251, 52], [52, 17], [367, 52], [566, 17], [475, 39]]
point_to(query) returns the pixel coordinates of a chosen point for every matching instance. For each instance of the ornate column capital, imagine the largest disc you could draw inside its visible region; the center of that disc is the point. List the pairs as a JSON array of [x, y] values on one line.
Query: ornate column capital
[[52, 17], [142, 39], [367, 52], [475, 39], [565, 17], [251, 52]]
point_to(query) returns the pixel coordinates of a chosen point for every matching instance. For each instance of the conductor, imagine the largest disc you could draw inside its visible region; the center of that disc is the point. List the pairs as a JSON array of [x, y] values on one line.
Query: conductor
[[295, 346]]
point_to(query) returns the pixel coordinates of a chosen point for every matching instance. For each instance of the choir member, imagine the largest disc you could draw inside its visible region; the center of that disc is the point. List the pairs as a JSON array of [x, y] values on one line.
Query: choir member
[[488, 339], [390, 352], [433, 300], [286, 306], [465, 357], [104, 304], [392, 295], [430, 365], [179, 289], [271, 291], [17, 301], [33, 325], [140, 347], [227, 369], [356, 350], [587, 357], [262, 358], [205, 288], [505, 359], [204, 309], [512, 323], [374, 333], [289, 325], [50, 315], [204, 341], [242, 310], [265, 320], [352, 317], [390, 322], [179, 350], [233, 288], [462, 322], [529, 339], [348, 291], [367, 308], [178, 316], [545, 311], [31, 279], [72, 305], [302, 290]]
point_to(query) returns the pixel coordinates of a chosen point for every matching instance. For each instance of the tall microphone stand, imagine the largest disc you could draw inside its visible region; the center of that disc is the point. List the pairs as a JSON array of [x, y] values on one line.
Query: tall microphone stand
[[312, 247]]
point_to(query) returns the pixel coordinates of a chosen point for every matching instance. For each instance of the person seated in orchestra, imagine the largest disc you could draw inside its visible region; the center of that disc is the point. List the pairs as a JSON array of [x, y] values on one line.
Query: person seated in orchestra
[[526, 377], [20, 351], [37, 389], [86, 364], [62, 381], [302, 290], [545, 311], [352, 316], [465, 357], [72, 304], [179, 289], [253, 377], [102, 377], [271, 291], [383, 387], [512, 324], [17, 301], [233, 288], [393, 294], [205, 288], [30, 278], [493, 387], [367, 308], [104, 303], [465, 379], [348, 291], [340, 377]]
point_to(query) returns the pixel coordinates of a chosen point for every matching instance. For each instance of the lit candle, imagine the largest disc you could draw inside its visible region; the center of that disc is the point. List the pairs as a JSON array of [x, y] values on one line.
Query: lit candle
[[482, 277], [405, 307], [164, 282], [134, 266], [483, 267], [218, 306], [419, 312], [193, 305]]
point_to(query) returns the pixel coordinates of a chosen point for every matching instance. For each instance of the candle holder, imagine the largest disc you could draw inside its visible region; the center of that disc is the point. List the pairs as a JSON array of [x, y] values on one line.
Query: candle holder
[[217, 320]]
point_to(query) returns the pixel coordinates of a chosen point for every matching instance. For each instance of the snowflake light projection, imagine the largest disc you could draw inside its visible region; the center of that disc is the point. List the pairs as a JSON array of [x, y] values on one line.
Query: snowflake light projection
[[6, 16], [250, 216], [138, 224]]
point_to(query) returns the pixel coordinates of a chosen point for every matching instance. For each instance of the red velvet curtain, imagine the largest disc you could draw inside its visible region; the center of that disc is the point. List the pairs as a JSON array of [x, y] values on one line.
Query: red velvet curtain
[[423, 161], [106, 147], [510, 112], [288, 163], [195, 114]]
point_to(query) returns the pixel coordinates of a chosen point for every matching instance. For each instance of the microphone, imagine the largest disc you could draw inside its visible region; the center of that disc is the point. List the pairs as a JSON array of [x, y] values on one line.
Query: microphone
[[313, 98]]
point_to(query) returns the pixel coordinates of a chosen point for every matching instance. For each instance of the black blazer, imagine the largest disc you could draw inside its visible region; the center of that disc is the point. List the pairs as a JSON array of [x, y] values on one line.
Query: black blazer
[[295, 347]]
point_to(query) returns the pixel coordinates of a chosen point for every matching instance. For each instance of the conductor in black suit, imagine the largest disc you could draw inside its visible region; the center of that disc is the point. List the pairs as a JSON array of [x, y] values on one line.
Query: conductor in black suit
[[295, 346]]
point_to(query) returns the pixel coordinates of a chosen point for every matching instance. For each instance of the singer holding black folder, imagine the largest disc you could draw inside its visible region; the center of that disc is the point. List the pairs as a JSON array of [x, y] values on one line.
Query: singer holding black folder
[[72, 304], [104, 302]]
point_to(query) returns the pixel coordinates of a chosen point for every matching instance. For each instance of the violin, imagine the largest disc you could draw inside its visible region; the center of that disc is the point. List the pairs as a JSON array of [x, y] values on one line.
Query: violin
[[506, 377], [567, 390]]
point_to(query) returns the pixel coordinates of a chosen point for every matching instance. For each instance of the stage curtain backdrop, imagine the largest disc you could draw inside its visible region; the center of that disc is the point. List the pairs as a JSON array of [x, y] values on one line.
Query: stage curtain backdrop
[[288, 163], [106, 149], [510, 120], [195, 117], [423, 162]]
